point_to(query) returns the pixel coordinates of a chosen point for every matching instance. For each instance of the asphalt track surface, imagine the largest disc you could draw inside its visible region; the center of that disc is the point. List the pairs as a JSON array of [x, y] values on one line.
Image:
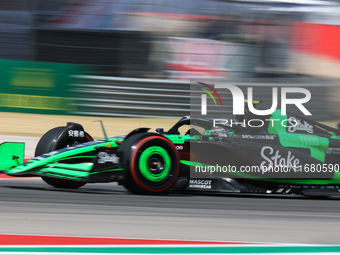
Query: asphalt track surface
[[29, 206]]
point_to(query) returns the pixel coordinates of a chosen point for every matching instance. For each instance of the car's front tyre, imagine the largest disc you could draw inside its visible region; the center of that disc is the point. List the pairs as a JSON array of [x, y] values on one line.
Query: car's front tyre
[[151, 163], [50, 142]]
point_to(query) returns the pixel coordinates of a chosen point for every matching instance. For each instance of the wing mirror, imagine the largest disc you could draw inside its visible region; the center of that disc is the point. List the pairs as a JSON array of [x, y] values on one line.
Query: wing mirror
[[160, 130]]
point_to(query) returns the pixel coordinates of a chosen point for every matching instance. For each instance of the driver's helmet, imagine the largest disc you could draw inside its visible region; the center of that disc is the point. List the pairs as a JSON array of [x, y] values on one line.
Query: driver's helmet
[[221, 131]]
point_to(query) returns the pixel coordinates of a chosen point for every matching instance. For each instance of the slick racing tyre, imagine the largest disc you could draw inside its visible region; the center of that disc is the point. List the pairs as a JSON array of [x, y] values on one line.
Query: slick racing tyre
[[151, 163], [47, 143]]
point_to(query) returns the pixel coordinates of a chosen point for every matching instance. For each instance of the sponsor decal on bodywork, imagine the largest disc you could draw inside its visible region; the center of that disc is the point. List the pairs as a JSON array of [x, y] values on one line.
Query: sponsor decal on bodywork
[[108, 160], [200, 184], [104, 157], [275, 158], [76, 133], [67, 149], [261, 137], [220, 132], [297, 125], [333, 151]]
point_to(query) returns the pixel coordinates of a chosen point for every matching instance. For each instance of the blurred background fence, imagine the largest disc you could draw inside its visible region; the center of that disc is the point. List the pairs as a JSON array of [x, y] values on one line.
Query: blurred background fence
[[159, 42], [133, 97]]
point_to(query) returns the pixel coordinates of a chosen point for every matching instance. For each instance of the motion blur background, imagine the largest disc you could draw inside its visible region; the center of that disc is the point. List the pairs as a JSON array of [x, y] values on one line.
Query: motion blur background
[[135, 58], [84, 60]]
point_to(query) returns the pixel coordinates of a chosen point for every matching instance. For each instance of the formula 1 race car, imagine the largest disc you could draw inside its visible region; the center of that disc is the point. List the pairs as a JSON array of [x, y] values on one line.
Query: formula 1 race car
[[194, 155]]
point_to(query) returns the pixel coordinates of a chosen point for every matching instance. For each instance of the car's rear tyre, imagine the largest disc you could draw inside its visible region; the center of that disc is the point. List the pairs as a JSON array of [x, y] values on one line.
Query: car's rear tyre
[[47, 143], [151, 163]]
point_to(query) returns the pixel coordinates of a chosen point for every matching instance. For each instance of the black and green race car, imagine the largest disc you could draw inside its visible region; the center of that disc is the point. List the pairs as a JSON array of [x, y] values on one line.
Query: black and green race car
[[194, 155]]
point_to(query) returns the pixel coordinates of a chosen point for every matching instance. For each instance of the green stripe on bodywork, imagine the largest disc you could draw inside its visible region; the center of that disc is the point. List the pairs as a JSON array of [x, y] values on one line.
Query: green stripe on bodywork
[[109, 170], [77, 167], [81, 170], [77, 157], [317, 145], [62, 172], [178, 139], [35, 163], [73, 178], [70, 171], [177, 250], [192, 163]]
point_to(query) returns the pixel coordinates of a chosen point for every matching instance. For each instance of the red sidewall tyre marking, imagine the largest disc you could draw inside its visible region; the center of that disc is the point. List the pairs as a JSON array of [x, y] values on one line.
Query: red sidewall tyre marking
[[133, 169]]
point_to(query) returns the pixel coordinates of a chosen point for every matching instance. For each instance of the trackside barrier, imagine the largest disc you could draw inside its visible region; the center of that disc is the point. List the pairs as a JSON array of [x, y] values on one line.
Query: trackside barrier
[[37, 87], [131, 97]]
